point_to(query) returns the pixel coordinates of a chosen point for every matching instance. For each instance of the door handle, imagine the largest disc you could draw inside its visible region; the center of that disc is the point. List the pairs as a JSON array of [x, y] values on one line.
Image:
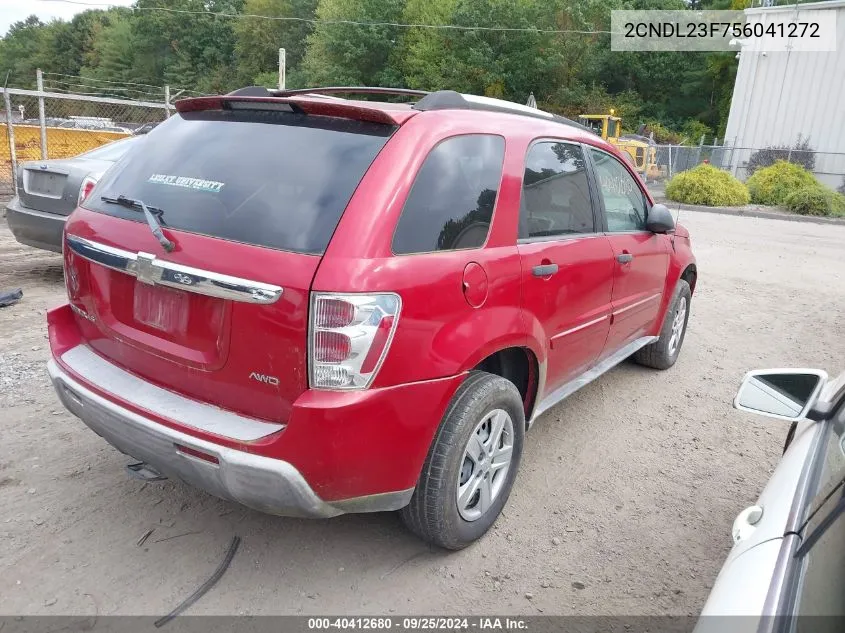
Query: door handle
[[624, 258], [544, 270]]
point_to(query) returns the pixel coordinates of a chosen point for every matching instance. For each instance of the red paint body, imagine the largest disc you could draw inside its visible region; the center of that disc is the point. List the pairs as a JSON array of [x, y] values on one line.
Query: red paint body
[[458, 307]]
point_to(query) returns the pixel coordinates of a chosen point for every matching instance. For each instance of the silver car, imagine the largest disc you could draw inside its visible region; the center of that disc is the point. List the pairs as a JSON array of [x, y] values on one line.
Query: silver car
[[787, 565], [49, 190]]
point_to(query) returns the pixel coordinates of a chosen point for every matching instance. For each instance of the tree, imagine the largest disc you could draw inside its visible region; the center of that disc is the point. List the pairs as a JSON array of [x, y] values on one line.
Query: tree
[[112, 57], [557, 49], [257, 41], [23, 51], [351, 54], [187, 50]]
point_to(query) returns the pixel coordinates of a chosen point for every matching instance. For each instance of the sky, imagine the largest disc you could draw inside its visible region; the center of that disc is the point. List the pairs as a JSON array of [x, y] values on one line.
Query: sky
[[12, 11]]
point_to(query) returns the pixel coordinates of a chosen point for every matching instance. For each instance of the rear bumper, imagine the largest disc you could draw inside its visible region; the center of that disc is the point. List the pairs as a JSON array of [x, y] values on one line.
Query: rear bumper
[[336, 451], [262, 483], [35, 228]]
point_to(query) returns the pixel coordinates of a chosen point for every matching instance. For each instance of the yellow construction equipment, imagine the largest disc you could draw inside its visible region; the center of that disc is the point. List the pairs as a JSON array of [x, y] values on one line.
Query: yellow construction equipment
[[639, 149]]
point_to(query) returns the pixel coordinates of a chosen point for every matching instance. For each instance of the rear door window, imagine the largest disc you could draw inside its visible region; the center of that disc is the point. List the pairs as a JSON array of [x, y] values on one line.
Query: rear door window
[[555, 192], [275, 179], [451, 203]]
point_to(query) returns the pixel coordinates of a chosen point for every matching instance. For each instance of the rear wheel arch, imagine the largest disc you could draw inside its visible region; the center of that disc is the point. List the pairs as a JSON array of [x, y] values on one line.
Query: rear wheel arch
[[518, 365]]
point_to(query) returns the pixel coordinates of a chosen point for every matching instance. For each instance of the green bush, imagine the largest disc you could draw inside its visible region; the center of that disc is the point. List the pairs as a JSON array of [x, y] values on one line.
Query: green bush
[[771, 185], [693, 131], [708, 186], [816, 200]]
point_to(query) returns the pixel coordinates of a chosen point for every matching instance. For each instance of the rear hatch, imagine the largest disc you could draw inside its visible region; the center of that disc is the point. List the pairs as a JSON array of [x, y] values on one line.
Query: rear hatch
[[250, 195]]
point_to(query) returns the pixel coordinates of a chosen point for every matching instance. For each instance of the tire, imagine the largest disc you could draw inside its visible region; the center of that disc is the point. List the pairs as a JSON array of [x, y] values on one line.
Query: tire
[[663, 353], [433, 513]]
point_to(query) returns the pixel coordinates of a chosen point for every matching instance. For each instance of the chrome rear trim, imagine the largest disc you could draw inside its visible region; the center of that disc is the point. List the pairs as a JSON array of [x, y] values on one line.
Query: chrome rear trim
[[154, 271], [96, 370]]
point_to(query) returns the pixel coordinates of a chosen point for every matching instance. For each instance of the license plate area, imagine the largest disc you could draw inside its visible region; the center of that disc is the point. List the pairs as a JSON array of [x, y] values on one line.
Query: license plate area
[[44, 183], [163, 309]]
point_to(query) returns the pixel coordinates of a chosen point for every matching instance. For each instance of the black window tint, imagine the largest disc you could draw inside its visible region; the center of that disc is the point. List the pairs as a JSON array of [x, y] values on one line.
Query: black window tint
[[624, 202], [451, 203], [555, 192], [274, 179]]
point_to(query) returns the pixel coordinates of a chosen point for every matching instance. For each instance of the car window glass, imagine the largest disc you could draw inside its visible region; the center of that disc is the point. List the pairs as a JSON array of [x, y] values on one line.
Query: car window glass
[[110, 151], [624, 202], [833, 468], [555, 192], [820, 589], [267, 178], [451, 203]]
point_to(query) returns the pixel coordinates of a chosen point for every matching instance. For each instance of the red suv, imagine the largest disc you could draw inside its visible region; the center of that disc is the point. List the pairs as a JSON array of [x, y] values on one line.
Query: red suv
[[312, 305]]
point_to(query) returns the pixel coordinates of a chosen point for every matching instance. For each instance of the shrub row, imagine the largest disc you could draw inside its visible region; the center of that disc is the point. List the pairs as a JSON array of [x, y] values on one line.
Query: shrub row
[[709, 186], [784, 184]]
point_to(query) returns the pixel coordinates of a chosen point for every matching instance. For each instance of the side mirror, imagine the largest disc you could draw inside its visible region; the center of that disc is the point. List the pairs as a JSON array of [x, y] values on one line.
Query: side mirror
[[786, 394], [659, 219]]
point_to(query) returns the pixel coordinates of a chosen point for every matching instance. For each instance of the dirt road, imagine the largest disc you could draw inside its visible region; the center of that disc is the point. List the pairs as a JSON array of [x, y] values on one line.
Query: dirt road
[[623, 505]]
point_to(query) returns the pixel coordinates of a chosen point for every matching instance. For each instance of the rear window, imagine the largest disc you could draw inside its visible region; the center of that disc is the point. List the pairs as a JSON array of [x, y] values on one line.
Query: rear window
[[274, 179], [111, 151]]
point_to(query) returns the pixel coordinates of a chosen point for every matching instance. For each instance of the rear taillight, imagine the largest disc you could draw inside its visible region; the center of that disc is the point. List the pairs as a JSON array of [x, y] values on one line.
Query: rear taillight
[[86, 188], [75, 281], [350, 336]]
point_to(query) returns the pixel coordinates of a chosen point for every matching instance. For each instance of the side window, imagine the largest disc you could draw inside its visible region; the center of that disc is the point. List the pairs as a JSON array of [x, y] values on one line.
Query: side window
[[624, 202], [451, 203], [821, 590], [824, 537], [555, 192]]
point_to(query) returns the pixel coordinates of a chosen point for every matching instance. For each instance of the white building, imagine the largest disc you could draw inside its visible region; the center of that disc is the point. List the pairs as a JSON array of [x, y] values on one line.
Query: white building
[[781, 95]]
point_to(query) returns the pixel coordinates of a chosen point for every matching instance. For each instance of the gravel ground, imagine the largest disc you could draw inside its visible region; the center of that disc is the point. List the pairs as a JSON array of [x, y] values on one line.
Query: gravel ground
[[623, 505]]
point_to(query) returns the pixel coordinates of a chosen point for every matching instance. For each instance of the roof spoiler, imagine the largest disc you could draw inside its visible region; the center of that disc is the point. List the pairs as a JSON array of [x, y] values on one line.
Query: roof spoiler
[[257, 98], [324, 103]]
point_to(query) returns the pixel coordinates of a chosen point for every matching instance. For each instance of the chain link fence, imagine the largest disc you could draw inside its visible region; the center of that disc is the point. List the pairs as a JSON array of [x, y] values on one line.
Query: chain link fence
[[828, 167], [44, 125]]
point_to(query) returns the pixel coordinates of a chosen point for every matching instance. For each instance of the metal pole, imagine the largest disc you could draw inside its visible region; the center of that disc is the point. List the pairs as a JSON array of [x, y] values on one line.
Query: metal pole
[[11, 132], [670, 162], [734, 165], [42, 119], [281, 69], [167, 101]]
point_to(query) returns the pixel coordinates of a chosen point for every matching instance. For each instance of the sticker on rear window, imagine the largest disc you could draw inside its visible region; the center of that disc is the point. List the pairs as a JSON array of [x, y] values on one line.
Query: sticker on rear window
[[199, 184]]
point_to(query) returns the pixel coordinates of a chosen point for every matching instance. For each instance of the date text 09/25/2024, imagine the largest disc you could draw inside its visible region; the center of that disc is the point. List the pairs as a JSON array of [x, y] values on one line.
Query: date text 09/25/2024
[[419, 623]]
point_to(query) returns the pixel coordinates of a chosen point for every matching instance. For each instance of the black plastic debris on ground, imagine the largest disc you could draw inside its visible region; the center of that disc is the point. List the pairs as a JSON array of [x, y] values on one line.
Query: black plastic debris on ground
[[10, 297]]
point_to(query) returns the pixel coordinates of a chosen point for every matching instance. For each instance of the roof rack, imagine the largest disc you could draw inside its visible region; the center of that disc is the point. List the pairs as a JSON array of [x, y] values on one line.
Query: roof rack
[[363, 90], [451, 100], [261, 91]]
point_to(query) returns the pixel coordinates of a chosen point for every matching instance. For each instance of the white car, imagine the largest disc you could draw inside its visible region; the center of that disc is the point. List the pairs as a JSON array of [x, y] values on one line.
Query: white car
[[787, 565]]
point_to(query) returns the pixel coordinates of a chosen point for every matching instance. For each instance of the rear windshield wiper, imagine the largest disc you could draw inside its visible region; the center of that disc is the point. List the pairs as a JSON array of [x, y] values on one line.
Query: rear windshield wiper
[[155, 227]]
